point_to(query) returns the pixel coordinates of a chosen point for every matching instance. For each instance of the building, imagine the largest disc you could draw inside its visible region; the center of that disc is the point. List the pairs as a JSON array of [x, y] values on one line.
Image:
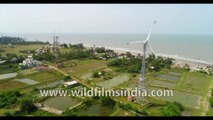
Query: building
[[2, 62], [40, 51], [30, 62], [131, 98], [71, 83]]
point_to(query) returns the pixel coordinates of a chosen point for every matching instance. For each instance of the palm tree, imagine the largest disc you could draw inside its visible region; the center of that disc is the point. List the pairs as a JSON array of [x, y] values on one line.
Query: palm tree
[[128, 55], [123, 55]]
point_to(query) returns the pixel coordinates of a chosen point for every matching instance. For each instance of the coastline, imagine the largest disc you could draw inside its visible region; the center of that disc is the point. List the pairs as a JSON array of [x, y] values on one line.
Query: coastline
[[179, 61]]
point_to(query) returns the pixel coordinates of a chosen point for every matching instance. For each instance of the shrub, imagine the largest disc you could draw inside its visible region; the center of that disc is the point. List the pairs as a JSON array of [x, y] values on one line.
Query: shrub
[[172, 109], [107, 101], [95, 75], [67, 77], [26, 104], [211, 101]]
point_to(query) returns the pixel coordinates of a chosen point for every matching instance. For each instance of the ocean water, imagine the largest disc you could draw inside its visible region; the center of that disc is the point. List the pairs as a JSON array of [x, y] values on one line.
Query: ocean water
[[188, 47]]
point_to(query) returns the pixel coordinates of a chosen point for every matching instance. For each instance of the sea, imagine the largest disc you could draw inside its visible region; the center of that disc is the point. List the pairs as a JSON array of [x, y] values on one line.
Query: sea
[[198, 48]]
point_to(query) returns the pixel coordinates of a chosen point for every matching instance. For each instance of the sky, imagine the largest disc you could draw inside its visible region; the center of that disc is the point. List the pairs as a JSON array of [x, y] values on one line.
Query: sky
[[106, 18]]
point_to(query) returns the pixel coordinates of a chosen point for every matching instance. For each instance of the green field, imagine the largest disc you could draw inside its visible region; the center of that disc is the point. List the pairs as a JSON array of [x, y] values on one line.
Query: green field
[[42, 77], [42, 113], [210, 112], [114, 81], [161, 83], [4, 69], [11, 85], [121, 112], [16, 48], [45, 76], [95, 110], [195, 82], [83, 66], [61, 103]]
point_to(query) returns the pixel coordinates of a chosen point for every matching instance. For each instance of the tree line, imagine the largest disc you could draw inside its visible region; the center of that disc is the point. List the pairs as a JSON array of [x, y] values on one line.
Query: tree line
[[18, 41], [133, 64]]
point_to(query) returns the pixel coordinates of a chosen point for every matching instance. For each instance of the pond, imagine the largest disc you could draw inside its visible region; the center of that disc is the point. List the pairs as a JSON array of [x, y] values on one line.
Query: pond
[[86, 76], [162, 83], [175, 73], [28, 81], [168, 77], [61, 102], [9, 75], [95, 110], [51, 85], [114, 81]]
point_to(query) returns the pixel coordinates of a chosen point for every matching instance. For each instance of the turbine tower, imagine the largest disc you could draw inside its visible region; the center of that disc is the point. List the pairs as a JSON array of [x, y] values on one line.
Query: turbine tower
[[56, 50], [143, 67]]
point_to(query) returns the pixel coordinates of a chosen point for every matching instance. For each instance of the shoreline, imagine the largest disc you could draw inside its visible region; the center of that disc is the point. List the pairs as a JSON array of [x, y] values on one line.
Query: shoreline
[[179, 61]]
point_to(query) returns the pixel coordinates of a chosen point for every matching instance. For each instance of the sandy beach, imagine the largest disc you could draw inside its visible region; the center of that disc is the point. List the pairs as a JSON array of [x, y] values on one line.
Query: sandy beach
[[178, 62]]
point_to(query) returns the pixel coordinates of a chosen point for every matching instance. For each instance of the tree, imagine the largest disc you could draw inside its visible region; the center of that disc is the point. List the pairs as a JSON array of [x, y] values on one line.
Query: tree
[[172, 109], [95, 75], [186, 67], [107, 101], [67, 77], [211, 101], [64, 45], [9, 98], [129, 55], [69, 112], [26, 104], [87, 102]]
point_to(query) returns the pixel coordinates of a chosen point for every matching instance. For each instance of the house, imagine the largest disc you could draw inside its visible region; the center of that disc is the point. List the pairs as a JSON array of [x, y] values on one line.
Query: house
[[71, 83], [131, 98], [13, 59], [40, 51], [30, 62], [2, 62]]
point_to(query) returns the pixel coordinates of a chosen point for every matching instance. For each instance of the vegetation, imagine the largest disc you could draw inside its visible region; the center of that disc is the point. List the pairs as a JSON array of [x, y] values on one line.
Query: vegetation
[[68, 112], [133, 65], [107, 101], [9, 98], [67, 77], [18, 40], [8, 68], [87, 102], [48, 56], [96, 74], [211, 99], [26, 105], [186, 67], [172, 109]]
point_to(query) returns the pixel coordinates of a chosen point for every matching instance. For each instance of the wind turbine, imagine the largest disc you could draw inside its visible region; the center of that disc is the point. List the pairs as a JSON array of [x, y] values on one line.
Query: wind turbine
[[145, 44]]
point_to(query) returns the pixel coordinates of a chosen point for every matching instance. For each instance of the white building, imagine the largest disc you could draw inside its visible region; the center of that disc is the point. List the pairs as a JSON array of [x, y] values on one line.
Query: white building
[[29, 62], [66, 84]]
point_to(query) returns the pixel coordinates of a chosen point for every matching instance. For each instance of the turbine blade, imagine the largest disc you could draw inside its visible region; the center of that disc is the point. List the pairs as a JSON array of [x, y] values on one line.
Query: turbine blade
[[150, 31], [135, 42], [151, 49]]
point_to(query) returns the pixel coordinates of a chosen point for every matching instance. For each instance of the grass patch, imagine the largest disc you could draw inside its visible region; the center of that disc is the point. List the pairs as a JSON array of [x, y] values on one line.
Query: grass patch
[[195, 82], [45, 76], [12, 85], [122, 112], [60, 102], [42, 113], [114, 81], [16, 48], [83, 66]]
